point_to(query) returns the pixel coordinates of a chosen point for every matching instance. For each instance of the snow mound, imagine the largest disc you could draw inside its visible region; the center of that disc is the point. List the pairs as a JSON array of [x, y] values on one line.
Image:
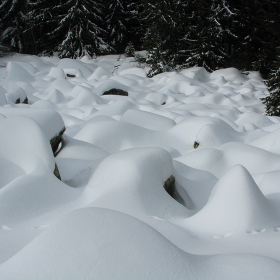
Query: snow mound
[[15, 72], [134, 71], [125, 136], [116, 108], [229, 74], [110, 217], [76, 149], [150, 167], [61, 84], [18, 95], [236, 205], [84, 97], [56, 73], [99, 74], [205, 130], [157, 98], [98, 242], [147, 120], [196, 73], [218, 161], [109, 84], [212, 136], [50, 121], [3, 100], [67, 63], [268, 142], [55, 96], [24, 143]]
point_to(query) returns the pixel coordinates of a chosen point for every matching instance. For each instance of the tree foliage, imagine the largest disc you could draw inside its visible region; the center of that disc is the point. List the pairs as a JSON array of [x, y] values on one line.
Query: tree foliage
[[116, 24], [78, 32], [258, 38], [272, 102], [205, 36], [13, 14], [162, 39]]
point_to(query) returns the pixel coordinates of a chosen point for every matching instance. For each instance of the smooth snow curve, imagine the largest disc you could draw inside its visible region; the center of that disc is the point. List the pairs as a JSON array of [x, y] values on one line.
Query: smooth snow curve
[[110, 217]]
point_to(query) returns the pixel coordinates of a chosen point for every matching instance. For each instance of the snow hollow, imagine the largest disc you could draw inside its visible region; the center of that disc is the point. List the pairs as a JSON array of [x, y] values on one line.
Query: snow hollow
[[171, 177]]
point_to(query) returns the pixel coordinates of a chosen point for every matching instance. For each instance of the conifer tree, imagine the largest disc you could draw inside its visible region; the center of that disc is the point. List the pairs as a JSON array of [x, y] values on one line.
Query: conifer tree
[[205, 43], [162, 37], [135, 31], [116, 22], [228, 17], [43, 18], [13, 24], [272, 102], [78, 32], [257, 40], [129, 50]]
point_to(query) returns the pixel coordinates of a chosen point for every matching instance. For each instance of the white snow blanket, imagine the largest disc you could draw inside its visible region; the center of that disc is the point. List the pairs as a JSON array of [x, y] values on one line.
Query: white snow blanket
[[110, 216]]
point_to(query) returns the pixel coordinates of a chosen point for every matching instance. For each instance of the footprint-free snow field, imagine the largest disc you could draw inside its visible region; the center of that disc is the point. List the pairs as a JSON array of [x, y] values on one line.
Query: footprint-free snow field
[[171, 177]]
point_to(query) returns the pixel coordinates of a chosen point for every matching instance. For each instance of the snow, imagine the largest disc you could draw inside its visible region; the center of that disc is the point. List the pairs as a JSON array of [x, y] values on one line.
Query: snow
[[147, 120], [30, 151], [110, 217], [49, 120], [236, 204], [16, 72], [76, 65], [12, 97]]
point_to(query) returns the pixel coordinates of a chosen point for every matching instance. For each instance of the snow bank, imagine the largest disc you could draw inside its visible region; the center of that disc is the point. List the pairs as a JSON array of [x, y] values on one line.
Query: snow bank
[[147, 120], [236, 204], [15, 72], [99, 74], [139, 167], [24, 143], [17, 96], [93, 247], [49, 120], [110, 215], [56, 73], [67, 63], [124, 135], [218, 161]]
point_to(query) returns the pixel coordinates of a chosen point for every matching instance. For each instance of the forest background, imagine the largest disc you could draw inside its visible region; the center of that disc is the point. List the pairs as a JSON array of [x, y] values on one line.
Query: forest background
[[176, 34]]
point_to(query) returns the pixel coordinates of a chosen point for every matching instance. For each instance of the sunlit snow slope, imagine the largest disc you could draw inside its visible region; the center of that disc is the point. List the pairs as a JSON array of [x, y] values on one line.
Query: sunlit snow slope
[[110, 217]]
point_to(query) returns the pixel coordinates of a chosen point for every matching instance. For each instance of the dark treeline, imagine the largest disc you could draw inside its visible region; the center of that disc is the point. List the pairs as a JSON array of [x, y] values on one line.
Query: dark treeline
[[177, 34], [212, 34], [71, 28]]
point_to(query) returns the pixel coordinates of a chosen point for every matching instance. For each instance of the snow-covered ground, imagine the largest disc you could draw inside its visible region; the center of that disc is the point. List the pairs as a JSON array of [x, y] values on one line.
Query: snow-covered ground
[[110, 216]]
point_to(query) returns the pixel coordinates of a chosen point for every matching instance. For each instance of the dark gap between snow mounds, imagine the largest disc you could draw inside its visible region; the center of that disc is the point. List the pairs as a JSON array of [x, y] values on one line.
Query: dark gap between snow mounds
[[196, 145], [56, 144], [56, 172], [56, 140], [169, 185], [115, 91], [177, 193], [18, 101]]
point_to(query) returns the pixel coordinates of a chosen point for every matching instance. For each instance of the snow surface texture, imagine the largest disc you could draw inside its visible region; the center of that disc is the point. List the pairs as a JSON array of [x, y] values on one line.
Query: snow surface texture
[[110, 216]]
